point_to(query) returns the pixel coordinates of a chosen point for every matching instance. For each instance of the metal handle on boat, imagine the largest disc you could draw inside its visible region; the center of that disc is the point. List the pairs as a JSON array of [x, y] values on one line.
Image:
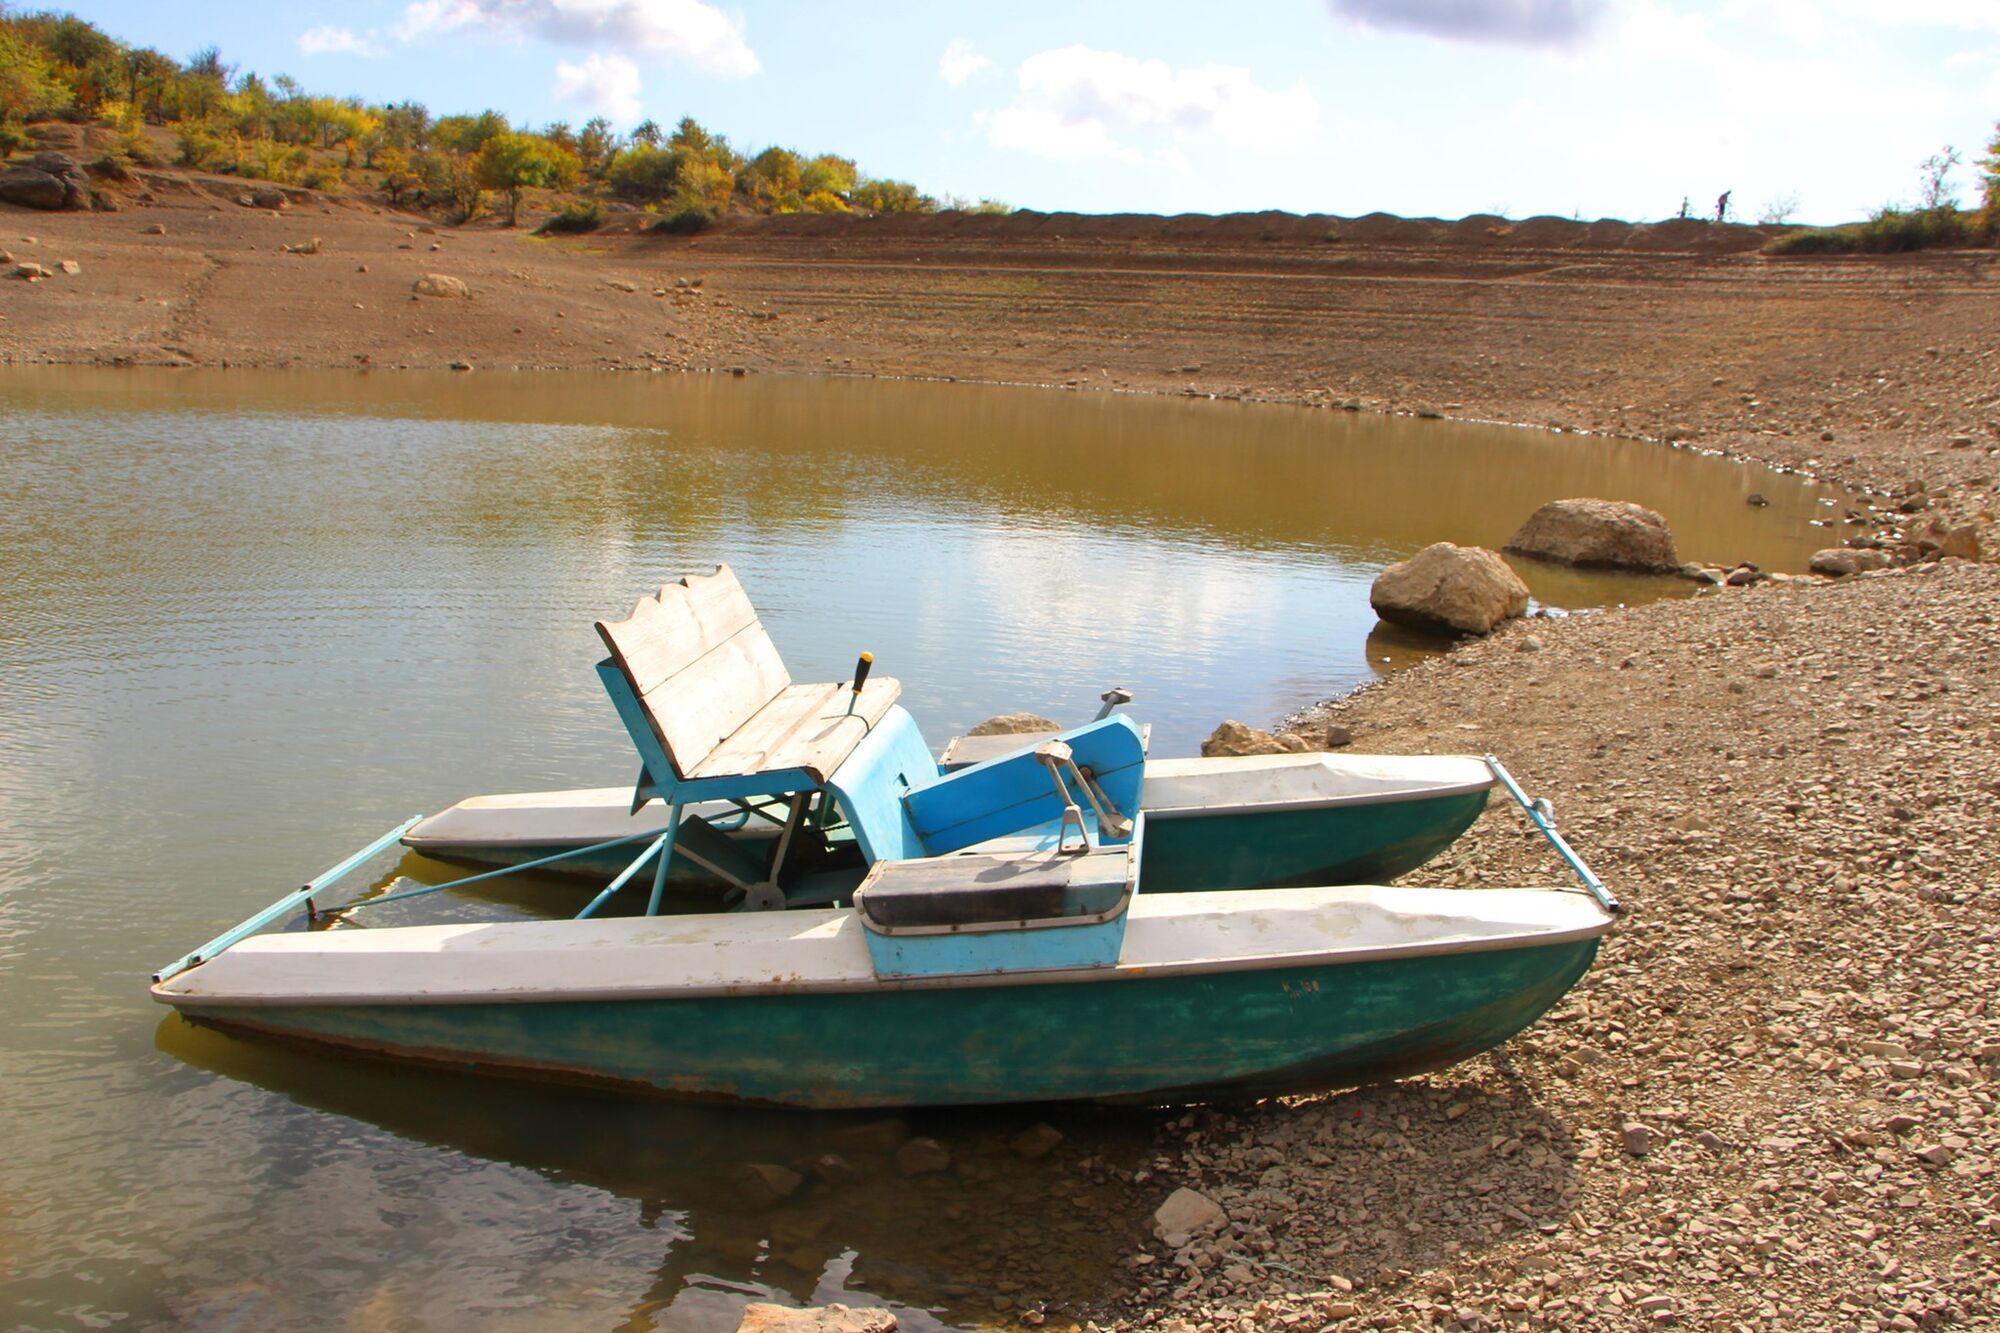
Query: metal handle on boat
[[860, 678], [1112, 697], [1542, 815]]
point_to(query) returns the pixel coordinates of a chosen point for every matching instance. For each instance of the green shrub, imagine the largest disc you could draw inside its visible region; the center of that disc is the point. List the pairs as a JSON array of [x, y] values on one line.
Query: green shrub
[[137, 148], [1890, 231], [324, 177], [13, 139], [686, 219], [579, 216], [203, 149]]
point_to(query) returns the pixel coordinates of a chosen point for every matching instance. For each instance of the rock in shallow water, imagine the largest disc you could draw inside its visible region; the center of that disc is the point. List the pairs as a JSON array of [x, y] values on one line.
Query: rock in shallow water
[[1612, 534], [1450, 590]]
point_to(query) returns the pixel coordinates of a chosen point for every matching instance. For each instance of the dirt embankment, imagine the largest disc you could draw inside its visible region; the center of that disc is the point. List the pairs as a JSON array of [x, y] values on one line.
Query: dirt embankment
[[1771, 1104], [1877, 371]]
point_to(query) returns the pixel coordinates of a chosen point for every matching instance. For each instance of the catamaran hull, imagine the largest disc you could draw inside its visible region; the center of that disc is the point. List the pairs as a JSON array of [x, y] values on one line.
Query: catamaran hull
[[1256, 822], [1271, 849], [1125, 1038]]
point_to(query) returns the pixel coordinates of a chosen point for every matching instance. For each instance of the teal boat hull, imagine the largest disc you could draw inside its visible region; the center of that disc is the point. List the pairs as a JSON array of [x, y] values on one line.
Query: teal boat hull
[[1125, 1037], [1369, 843], [1244, 848]]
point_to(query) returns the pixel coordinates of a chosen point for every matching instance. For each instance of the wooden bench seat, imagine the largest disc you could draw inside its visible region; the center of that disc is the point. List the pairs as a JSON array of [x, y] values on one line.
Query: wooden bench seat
[[715, 698]]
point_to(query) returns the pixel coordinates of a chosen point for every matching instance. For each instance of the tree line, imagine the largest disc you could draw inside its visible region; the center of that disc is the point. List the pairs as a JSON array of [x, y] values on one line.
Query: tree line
[[58, 66]]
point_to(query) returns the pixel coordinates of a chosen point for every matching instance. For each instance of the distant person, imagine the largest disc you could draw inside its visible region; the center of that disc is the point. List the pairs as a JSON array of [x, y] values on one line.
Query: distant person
[[1685, 208], [1722, 205]]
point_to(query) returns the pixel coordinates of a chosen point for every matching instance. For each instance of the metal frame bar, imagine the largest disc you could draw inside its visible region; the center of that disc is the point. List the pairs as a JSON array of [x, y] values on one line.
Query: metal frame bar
[[503, 870], [625, 875], [303, 894], [1542, 815]]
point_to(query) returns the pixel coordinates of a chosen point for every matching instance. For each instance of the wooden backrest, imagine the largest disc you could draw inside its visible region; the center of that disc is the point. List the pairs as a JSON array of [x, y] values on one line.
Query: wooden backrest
[[699, 661]]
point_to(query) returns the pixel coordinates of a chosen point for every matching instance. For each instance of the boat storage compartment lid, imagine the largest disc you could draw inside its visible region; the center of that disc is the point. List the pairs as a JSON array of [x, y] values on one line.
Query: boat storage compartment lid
[[967, 894], [946, 917]]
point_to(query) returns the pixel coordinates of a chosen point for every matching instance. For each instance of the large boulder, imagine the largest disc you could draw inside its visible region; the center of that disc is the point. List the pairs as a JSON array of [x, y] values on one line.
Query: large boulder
[[1447, 589], [1015, 724], [1233, 739], [1612, 534], [47, 181]]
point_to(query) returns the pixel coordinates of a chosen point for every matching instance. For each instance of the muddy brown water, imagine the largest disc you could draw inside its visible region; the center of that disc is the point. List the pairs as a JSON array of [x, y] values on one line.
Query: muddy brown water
[[249, 619]]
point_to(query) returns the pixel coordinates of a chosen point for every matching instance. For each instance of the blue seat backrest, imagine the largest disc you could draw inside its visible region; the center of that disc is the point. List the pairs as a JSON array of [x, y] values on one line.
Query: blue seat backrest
[[1015, 792], [871, 783]]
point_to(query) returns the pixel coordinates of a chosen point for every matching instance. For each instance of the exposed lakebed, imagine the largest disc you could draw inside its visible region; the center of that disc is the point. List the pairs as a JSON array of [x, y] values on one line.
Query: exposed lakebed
[[251, 618]]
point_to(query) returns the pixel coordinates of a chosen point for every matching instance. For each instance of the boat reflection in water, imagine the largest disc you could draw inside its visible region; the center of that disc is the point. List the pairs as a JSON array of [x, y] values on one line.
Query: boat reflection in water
[[693, 1229]]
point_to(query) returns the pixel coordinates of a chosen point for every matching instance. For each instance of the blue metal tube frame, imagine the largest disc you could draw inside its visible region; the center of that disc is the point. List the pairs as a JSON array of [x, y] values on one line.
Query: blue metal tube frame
[[503, 870], [1542, 821], [666, 850], [625, 875], [301, 895]]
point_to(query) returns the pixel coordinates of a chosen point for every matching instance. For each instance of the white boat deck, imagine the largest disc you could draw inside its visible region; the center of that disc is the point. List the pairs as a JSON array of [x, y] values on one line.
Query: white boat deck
[[1305, 781], [798, 951], [1172, 787]]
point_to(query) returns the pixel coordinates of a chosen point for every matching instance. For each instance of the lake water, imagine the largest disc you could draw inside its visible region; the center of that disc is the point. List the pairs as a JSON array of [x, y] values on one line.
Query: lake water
[[249, 620]]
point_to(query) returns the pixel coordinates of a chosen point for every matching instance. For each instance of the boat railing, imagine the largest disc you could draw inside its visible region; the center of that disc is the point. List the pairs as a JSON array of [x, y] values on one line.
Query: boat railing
[[307, 894], [1543, 816]]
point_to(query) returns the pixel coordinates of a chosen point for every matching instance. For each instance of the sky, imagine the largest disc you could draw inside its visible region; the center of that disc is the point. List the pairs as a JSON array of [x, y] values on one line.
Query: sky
[[1591, 108]]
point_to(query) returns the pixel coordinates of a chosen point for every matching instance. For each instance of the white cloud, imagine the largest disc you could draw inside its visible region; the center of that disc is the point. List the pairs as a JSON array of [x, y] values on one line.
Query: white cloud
[[960, 62], [1076, 102], [1521, 22], [687, 29], [329, 40], [605, 84]]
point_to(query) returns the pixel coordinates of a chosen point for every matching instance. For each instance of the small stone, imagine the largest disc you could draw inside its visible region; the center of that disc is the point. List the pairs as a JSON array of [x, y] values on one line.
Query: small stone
[[440, 284], [1338, 738], [1839, 561], [155, 229], [762, 1317], [1755, 500], [832, 1168], [874, 1136], [1638, 1140], [922, 1157], [1037, 1140], [1186, 1214], [461, 365], [1531, 643], [1900, 1124], [1905, 1069], [1936, 1154], [765, 1183], [1962, 543]]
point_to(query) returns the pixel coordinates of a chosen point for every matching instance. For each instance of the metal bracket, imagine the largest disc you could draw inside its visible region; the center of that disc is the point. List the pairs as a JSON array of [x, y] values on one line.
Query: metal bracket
[[1543, 816]]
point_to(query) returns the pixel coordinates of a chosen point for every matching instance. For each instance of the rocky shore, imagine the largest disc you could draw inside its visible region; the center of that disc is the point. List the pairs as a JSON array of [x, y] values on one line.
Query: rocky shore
[[1770, 1104]]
